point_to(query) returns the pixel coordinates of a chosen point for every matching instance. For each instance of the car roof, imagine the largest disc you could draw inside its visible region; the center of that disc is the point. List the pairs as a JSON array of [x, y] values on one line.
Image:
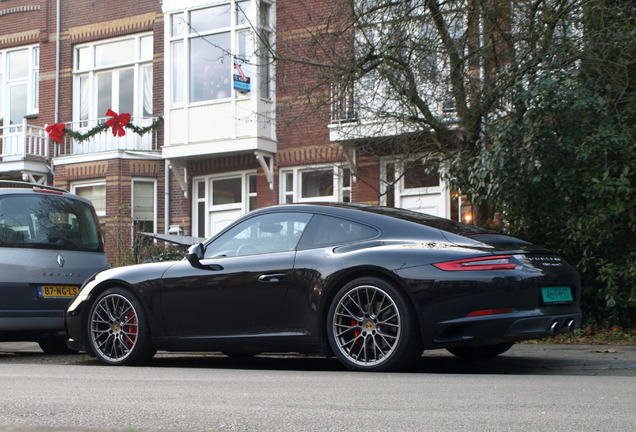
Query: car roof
[[10, 187], [378, 215]]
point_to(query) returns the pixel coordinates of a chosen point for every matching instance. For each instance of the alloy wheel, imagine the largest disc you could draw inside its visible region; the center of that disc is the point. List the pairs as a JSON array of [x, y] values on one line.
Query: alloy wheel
[[366, 326], [114, 327]]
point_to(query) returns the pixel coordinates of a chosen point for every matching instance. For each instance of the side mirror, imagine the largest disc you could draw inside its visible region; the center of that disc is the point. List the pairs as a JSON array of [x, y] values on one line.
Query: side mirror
[[194, 256]]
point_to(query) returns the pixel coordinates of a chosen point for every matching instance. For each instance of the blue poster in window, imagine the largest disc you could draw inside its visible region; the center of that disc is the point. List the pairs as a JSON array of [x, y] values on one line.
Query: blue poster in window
[[241, 80]]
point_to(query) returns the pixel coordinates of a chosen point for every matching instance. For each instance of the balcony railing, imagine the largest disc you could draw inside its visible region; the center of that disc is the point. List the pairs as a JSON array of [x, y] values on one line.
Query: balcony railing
[[23, 141], [342, 105], [105, 141]]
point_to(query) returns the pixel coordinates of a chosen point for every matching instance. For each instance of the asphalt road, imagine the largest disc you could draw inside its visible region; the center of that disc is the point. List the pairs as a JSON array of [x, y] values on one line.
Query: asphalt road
[[531, 388]]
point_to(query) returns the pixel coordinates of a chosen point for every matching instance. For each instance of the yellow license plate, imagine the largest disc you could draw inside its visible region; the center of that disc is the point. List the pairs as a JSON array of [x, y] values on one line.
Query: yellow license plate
[[57, 291]]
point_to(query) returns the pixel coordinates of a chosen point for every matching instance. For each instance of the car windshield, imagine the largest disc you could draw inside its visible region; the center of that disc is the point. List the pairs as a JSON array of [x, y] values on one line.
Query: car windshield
[[48, 222]]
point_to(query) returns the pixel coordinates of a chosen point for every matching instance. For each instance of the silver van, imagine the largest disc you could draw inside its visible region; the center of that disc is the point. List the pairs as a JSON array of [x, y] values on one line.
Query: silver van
[[50, 243]]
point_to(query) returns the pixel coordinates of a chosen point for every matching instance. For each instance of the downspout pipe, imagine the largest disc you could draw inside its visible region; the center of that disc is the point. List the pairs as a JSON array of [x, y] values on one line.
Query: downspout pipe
[[57, 61], [166, 199]]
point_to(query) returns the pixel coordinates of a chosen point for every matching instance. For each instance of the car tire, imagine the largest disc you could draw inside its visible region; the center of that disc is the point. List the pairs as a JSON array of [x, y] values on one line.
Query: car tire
[[480, 352], [118, 330], [371, 326]]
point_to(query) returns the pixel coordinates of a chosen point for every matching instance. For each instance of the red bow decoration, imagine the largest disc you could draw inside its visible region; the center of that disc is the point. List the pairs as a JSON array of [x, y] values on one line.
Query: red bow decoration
[[56, 132], [117, 122]]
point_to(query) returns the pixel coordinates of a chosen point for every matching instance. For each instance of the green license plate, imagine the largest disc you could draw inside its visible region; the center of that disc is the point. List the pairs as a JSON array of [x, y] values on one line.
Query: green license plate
[[559, 294]]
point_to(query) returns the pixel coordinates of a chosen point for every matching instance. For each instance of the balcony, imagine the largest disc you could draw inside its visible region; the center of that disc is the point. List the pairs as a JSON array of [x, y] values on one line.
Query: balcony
[[105, 142], [24, 152]]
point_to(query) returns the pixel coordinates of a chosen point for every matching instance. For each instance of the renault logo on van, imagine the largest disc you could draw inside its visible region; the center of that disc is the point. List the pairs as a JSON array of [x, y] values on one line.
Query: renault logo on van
[[60, 260]]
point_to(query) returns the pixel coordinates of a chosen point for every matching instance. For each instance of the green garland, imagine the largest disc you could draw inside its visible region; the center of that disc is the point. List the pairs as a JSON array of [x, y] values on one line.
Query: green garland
[[81, 137]]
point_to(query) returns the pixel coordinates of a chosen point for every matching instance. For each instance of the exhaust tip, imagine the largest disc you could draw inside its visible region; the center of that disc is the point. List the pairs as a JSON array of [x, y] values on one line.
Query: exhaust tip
[[570, 326], [553, 328]]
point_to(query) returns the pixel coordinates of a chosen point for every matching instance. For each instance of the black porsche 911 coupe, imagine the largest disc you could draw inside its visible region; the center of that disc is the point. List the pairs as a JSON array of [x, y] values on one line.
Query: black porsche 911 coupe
[[374, 286]]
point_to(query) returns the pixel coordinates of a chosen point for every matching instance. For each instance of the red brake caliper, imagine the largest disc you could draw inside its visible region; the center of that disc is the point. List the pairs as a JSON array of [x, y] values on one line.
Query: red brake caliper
[[356, 332], [131, 329]]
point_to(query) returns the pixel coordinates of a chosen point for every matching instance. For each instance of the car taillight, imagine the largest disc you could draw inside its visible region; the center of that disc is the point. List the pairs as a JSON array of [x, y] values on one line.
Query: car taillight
[[497, 262]]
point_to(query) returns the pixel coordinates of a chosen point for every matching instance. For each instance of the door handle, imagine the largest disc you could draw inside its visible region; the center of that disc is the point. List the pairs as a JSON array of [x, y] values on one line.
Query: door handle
[[276, 277]]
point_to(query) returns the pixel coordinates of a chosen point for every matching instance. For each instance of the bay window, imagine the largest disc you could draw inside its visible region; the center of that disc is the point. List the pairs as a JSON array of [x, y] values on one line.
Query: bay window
[[212, 51]]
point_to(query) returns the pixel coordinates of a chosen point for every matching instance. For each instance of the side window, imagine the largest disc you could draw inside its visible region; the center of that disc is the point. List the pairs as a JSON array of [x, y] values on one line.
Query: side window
[[269, 233], [328, 231]]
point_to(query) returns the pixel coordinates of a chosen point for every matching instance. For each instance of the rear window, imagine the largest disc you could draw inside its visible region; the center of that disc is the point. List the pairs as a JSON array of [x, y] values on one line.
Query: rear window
[[328, 231], [48, 222]]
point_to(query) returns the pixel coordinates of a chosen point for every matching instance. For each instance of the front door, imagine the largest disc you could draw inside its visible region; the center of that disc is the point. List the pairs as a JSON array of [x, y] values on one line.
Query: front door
[[241, 283], [221, 200]]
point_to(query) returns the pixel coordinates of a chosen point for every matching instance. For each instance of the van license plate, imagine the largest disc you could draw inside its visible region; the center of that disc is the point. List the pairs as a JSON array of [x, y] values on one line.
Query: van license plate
[[57, 291], [560, 294]]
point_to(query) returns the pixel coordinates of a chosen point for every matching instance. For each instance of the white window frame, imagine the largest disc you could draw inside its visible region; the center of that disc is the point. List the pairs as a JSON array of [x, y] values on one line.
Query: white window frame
[[138, 64], [294, 174], [206, 200], [154, 199], [249, 61], [32, 81]]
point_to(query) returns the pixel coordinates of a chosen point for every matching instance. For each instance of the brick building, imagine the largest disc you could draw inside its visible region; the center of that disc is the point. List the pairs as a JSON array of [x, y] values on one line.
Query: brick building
[[236, 131]]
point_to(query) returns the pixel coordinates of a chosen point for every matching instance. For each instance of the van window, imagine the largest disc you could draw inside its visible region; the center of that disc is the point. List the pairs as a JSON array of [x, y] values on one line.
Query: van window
[[48, 222]]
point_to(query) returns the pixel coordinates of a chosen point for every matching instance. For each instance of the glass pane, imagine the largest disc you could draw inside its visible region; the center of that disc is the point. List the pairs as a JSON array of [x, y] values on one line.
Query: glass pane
[[252, 184], [18, 64], [178, 24], [201, 190], [126, 91], [227, 191], [417, 177], [390, 186], [346, 177], [245, 51], [115, 53], [244, 13], [265, 65], [96, 194], [146, 48], [143, 201], [265, 15], [289, 182], [317, 184], [333, 230], [201, 219], [213, 18], [17, 103], [269, 233], [178, 71], [48, 222], [104, 93], [146, 72], [84, 99], [210, 68], [84, 58]]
